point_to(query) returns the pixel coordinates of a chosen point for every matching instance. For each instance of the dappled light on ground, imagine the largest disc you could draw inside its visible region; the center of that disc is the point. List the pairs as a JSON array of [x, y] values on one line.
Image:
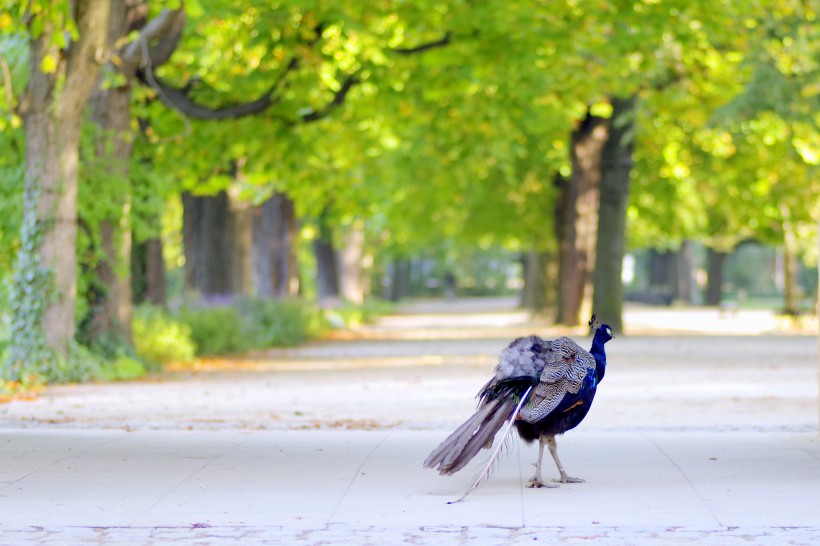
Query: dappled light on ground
[[714, 321], [421, 367]]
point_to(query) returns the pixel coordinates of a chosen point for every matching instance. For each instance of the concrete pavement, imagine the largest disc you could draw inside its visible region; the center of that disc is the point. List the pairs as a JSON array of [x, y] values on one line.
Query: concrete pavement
[[709, 440], [355, 487]]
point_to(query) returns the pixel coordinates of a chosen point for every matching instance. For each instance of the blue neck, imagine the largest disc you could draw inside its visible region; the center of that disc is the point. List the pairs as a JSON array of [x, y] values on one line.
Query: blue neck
[[599, 353]]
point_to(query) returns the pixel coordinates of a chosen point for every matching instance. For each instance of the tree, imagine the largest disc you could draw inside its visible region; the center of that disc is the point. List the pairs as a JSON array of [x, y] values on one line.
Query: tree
[[275, 232], [733, 139], [312, 73], [616, 164], [577, 217], [65, 57], [108, 219]]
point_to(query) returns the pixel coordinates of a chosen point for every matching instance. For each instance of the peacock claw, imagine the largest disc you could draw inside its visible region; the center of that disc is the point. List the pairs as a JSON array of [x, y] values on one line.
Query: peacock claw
[[536, 483], [567, 479]]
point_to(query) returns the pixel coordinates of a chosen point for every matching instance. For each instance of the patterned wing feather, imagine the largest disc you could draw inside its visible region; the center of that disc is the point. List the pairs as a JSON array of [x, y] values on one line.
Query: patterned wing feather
[[567, 364]]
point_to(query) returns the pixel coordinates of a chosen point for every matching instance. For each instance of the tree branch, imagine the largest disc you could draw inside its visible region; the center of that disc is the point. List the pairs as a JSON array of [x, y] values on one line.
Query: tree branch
[[441, 42], [168, 25], [341, 95], [338, 99], [178, 99], [165, 27]]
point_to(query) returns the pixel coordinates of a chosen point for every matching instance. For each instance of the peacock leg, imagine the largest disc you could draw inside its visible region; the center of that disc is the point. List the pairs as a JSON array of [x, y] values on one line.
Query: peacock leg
[[537, 480], [553, 446]]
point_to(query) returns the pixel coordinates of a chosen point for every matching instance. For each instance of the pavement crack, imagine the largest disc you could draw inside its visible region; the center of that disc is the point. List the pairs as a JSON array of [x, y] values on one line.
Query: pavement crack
[[798, 447], [356, 474], [685, 477], [186, 479], [74, 455]]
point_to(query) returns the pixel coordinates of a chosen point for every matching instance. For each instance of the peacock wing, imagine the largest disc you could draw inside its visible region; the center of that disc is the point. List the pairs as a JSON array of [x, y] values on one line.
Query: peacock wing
[[567, 365], [523, 357]]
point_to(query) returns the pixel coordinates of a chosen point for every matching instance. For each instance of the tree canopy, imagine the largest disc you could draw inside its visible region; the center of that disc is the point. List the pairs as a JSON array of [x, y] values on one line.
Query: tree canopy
[[424, 124]]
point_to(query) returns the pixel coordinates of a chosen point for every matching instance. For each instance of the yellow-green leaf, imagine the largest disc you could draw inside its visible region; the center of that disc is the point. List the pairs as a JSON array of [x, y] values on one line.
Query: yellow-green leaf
[[5, 21], [49, 64]]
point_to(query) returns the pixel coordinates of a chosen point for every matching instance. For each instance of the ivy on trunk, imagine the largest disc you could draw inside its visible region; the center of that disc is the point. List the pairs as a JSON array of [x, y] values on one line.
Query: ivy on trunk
[[60, 82]]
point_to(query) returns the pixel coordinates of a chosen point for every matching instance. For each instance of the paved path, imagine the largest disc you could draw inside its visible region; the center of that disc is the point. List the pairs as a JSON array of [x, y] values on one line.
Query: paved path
[[708, 440]]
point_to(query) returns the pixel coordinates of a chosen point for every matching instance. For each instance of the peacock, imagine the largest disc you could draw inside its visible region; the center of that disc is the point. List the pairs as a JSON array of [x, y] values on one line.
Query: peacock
[[543, 388]]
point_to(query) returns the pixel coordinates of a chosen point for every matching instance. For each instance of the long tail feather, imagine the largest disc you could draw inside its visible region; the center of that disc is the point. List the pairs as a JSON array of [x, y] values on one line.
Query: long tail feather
[[485, 473], [455, 442], [482, 438]]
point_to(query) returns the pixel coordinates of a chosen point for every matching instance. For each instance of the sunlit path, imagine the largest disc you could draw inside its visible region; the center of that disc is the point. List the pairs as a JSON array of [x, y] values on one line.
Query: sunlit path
[[420, 368]]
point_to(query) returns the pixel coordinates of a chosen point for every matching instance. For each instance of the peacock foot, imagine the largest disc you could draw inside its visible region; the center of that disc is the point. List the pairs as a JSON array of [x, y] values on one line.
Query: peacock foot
[[568, 479], [536, 482]]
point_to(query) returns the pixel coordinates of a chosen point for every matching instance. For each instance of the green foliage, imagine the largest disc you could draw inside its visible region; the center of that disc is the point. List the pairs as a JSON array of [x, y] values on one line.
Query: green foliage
[[160, 339], [12, 156], [352, 315], [80, 366], [83, 364], [11, 201], [459, 144], [103, 192], [29, 356], [215, 330], [463, 142], [728, 150], [283, 323], [123, 368], [108, 358], [251, 324]]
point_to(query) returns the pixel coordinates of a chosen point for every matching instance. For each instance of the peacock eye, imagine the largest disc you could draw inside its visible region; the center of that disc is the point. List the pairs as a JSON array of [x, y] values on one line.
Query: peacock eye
[[609, 332]]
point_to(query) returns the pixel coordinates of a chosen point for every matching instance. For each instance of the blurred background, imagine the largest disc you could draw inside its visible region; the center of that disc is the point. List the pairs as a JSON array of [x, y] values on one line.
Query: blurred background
[[180, 179]]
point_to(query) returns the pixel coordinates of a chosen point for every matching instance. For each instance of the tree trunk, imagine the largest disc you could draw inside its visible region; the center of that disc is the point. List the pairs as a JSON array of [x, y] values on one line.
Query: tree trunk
[[148, 273], [275, 263], [111, 112], [790, 285], [714, 286], [190, 241], [52, 112], [579, 218], [327, 265], [110, 300], [616, 164], [241, 233], [208, 239], [350, 264], [663, 277], [789, 281], [687, 283], [528, 298], [540, 274], [399, 272]]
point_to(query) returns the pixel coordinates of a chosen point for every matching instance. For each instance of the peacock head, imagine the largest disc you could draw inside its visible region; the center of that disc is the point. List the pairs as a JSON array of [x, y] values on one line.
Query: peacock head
[[603, 332]]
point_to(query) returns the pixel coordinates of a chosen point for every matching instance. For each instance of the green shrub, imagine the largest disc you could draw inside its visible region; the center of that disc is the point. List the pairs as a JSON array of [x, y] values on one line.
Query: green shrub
[[84, 364], [279, 323], [294, 322], [215, 330], [251, 323], [124, 368], [159, 338], [350, 314], [374, 308], [80, 366]]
